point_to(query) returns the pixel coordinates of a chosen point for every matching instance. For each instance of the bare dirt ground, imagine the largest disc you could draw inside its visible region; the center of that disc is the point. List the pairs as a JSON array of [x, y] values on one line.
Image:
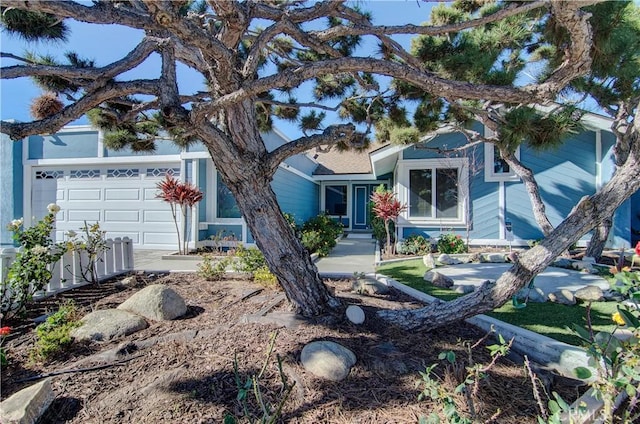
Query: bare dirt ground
[[182, 371]]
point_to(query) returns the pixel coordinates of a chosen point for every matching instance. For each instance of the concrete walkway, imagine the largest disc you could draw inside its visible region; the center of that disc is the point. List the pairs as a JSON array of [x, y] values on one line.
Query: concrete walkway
[[355, 253], [549, 280], [351, 254]]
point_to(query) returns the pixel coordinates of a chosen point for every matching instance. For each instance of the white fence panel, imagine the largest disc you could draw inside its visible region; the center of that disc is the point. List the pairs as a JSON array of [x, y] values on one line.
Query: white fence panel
[[66, 274]]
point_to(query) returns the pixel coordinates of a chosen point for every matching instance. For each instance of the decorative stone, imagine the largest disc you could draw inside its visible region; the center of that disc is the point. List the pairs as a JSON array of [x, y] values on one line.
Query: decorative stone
[[534, 295], [369, 286], [494, 257], [475, 258], [107, 324], [589, 294], [438, 279], [463, 288], [613, 296], [586, 265], [563, 263], [564, 297], [327, 360], [156, 302], [445, 259], [386, 359], [131, 281], [623, 334], [27, 405], [355, 314], [429, 261]]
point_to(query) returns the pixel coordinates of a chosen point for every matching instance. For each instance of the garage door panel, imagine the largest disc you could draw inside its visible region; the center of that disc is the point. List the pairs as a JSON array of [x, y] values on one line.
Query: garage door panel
[[157, 216], [151, 194], [122, 194], [159, 238], [132, 216], [133, 235], [78, 215], [84, 194], [122, 201]]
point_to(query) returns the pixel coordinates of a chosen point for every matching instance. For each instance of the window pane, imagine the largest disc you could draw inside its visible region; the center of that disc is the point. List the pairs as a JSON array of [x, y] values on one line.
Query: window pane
[[420, 192], [499, 165], [447, 193], [336, 199], [227, 207]]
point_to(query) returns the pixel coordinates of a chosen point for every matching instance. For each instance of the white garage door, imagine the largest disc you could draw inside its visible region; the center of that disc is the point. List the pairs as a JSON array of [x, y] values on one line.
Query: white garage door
[[121, 198]]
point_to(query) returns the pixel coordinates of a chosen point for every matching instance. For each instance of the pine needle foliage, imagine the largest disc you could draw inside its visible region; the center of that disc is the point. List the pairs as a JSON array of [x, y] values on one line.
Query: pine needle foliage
[[33, 26]]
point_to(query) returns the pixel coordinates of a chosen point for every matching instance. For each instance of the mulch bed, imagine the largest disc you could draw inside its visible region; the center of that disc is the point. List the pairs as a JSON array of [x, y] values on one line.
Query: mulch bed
[[182, 371]]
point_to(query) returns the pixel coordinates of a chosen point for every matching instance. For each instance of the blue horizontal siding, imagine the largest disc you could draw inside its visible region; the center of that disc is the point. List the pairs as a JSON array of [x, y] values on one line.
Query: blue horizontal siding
[[77, 144], [163, 147], [296, 195]]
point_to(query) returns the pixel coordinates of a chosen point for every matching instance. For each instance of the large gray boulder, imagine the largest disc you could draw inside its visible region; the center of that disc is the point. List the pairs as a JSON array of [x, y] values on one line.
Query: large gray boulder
[[369, 286], [108, 324], [438, 280], [327, 360], [589, 293], [27, 405], [156, 302]]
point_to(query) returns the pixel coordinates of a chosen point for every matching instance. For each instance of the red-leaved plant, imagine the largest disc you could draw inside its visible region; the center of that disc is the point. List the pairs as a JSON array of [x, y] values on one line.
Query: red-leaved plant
[[387, 208], [180, 196]]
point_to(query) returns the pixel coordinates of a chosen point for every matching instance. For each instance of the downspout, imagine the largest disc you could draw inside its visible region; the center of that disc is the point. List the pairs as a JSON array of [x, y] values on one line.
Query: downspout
[[598, 160]]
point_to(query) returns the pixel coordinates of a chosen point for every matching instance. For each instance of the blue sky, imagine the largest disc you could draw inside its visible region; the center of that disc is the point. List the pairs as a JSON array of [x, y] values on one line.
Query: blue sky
[[106, 43]]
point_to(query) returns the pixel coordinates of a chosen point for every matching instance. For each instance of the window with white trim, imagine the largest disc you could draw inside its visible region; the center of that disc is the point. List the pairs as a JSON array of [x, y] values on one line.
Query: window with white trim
[[434, 190], [495, 168]]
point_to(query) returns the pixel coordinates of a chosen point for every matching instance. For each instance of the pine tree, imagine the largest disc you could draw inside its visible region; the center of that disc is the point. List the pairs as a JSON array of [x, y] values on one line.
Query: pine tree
[[253, 55]]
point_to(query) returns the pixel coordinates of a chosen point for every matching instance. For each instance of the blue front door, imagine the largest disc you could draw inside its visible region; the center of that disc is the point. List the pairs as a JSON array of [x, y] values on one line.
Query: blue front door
[[360, 211]]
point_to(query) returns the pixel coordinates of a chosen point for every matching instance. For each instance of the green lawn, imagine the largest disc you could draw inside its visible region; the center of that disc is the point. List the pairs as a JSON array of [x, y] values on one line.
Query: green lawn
[[549, 319]]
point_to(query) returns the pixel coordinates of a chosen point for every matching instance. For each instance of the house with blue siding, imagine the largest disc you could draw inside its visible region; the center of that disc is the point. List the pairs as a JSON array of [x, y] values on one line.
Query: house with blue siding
[[470, 192]]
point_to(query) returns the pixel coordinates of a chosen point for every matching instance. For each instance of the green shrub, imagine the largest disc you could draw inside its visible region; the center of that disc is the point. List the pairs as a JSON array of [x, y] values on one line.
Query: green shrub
[[53, 335], [451, 243], [319, 234], [211, 269], [248, 259], [415, 244]]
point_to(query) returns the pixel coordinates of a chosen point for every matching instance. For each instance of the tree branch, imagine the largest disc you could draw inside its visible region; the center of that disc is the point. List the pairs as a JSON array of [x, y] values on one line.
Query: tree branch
[[581, 220], [335, 133], [74, 111], [379, 30], [427, 81], [101, 13], [135, 57]]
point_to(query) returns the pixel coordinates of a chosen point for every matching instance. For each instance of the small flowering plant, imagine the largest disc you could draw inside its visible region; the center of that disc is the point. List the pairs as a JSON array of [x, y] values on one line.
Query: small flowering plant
[[451, 243], [4, 332], [30, 271], [92, 241]]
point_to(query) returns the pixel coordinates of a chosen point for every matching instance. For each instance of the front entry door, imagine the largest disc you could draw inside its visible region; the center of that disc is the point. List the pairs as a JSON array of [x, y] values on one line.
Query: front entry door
[[361, 207]]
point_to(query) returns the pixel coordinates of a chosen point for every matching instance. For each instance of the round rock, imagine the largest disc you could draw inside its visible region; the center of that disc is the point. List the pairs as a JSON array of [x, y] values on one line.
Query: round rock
[[355, 314], [327, 360], [107, 324], [156, 302]]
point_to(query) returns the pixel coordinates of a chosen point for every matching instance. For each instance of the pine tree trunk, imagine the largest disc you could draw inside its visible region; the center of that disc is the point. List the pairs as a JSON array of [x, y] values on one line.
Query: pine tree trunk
[[527, 177], [249, 180], [599, 239]]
